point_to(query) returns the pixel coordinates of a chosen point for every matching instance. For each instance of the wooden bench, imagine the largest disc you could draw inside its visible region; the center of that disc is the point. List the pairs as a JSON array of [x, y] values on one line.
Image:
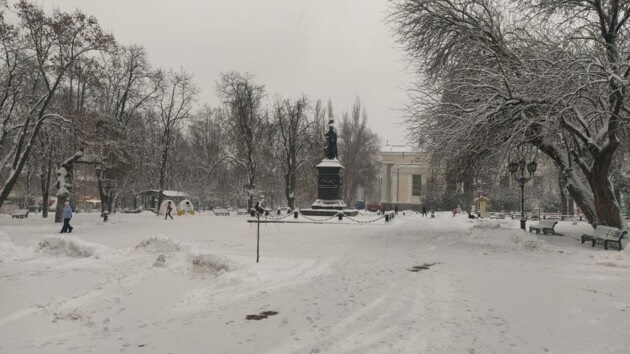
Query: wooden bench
[[607, 235], [221, 212], [241, 212], [19, 214], [544, 226]]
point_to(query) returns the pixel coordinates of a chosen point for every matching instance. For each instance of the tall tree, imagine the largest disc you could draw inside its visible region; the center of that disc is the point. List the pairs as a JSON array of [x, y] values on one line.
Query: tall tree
[[554, 75], [358, 152], [292, 127], [173, 104], [246, 121], [126, 85], [37, 53]]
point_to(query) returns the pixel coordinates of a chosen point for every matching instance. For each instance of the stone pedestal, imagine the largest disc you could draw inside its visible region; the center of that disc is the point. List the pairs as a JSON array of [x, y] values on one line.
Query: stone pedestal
[[329, 191]]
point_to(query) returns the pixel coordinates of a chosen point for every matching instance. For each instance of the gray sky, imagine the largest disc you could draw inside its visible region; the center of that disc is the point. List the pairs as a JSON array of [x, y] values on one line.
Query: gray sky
[[337, 49]]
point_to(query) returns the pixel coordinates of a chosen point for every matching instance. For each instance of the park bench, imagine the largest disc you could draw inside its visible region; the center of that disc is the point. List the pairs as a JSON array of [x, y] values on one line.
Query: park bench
[[607, 235], [241, 211], [20, 214], [544, 226], [221, 212]]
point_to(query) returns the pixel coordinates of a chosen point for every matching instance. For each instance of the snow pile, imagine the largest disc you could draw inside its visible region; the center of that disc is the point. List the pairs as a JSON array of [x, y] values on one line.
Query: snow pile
[[207, 263], [180, 257], [490, 224], [618, 260], [159, 244], [11, 252], [494, 235], [71, 247]]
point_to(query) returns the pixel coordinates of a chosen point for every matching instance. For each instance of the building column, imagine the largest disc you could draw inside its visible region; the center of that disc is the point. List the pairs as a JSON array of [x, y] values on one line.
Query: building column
[[387, 183]]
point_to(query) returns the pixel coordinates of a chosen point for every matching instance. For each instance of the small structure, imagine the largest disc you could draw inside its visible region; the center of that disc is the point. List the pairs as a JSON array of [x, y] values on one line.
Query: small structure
[[185, 207], [148, 199], [482, 203]]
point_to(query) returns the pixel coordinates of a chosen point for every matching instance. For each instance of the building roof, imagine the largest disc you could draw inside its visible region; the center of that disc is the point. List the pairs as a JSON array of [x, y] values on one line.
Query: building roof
[[397, 148], [166, 193]]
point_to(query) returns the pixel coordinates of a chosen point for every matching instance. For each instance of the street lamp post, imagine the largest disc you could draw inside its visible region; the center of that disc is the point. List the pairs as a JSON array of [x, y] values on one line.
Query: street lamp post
[[517, 169]]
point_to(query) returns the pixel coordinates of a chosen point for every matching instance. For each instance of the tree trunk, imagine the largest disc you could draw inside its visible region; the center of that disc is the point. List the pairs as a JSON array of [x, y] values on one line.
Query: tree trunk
[[45, 186], [289, 189], [564, 206], [64, 183], [162, 176], [606, 205], [61, 200]]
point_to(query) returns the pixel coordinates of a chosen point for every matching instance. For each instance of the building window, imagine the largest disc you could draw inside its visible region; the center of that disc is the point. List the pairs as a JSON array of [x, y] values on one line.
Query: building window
[[416, 188]]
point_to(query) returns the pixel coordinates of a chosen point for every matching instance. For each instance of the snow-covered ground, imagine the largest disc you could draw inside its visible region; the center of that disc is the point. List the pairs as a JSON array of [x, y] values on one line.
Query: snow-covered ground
[[140, 284]]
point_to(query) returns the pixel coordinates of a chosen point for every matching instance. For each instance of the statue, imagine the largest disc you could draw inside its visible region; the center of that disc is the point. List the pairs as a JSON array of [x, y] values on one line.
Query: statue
[[331, 141]]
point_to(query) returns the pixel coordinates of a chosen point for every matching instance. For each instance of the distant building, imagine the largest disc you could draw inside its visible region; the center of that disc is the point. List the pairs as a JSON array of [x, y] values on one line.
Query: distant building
[[405, 173], [148, 199]]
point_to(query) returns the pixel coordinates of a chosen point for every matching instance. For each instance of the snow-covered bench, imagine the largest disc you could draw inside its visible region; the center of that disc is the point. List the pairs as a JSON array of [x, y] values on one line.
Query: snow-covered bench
[[544, 226], [221, 212], [607, 235], [241, 211], [19, 214]]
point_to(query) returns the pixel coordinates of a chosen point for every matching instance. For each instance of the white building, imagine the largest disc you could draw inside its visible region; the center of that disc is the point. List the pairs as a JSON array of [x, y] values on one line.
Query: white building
[[404, 176]]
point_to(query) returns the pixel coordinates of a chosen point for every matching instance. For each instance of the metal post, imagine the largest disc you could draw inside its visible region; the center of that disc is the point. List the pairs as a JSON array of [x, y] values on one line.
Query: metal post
[[522, 204], [258, 237]]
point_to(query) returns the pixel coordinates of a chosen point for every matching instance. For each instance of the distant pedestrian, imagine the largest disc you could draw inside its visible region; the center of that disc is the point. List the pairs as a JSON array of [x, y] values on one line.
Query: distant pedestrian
[[424, 210], [396, 209], [169, 208], [67, 215]]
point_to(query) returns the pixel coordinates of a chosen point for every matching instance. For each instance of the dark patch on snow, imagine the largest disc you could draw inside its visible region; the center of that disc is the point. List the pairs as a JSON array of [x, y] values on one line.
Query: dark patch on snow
[[425, 266], [260, 316]]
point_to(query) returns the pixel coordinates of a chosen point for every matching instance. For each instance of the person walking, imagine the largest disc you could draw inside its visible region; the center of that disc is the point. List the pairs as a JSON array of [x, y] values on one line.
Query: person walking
[[67, 215], [424, 210], [169, 208]]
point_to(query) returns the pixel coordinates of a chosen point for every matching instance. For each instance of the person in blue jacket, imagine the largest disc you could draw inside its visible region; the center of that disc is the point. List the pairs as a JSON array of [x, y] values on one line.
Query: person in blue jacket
[[67, 215]]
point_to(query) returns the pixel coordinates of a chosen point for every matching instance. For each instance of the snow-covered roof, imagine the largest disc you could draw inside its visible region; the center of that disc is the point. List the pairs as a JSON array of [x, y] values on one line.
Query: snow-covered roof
[[329, 163], [167, 193], [175, 194], [397, 148]]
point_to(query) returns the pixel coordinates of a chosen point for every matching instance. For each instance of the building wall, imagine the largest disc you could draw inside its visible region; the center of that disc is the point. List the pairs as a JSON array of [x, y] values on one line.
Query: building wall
[[399, 164]]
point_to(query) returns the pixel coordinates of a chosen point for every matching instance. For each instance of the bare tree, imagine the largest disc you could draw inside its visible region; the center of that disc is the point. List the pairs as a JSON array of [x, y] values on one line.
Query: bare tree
[[554, 75], [126, 85], [47, 47], [173, 101], [292, 128], [358, 151], [246, 121]]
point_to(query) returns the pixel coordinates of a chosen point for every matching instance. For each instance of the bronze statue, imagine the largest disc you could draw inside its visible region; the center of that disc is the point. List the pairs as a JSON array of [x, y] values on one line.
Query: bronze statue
[[331, 141]]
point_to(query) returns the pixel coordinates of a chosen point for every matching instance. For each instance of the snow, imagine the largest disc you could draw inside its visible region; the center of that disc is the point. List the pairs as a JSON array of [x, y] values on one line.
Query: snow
[[330, 163], [398, 148], [142, 284]]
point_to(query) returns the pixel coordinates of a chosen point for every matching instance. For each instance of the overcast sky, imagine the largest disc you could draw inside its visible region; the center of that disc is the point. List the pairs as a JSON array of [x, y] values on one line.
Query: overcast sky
[[337, 49]]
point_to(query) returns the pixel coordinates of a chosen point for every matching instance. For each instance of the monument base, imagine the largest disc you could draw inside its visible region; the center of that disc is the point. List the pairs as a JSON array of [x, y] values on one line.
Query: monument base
[[329, 204], [329, 212]]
